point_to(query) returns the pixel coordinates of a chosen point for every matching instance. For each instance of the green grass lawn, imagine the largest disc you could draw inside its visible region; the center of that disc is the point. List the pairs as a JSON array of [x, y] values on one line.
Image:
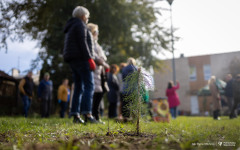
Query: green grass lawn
[[56, 133]]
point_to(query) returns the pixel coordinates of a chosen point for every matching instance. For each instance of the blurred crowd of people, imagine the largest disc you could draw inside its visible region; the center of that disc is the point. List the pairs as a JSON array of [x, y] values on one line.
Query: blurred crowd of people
[[92, 77], [26, 87], [231, 95]]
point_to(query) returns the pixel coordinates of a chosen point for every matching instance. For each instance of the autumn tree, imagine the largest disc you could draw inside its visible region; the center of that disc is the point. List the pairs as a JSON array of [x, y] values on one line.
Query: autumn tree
[[127, 28]]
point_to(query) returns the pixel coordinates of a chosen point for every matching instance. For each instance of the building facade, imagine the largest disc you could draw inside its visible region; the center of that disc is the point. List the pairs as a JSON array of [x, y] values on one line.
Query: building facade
[[193, 74]]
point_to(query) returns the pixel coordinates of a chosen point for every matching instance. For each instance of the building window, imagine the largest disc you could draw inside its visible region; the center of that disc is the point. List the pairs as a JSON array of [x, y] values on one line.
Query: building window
[[193, 73], [207, 72]]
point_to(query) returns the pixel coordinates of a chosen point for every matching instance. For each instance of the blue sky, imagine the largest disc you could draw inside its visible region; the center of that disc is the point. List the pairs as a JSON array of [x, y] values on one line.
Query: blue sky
[[19, 55], [205, 27]]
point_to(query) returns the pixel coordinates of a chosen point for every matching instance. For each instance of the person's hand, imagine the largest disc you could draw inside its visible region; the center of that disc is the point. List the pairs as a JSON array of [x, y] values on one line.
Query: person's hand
[[92, 64], [30, 98], [99, 61], [120, 117], [24, 93], [105, 65]]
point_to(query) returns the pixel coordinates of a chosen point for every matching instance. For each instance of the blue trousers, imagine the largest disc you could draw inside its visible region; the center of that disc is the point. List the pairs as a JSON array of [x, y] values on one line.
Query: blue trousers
[[64, 106], [26, 105], [173, 112], [83, 88]]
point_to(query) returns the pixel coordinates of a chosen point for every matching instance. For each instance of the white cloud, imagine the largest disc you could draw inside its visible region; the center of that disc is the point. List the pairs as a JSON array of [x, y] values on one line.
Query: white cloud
[[26, 46]]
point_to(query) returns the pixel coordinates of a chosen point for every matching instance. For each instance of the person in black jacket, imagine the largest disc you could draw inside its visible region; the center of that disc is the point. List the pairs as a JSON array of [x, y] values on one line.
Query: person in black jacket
[[26, 86], [113, 94], [229, 91], [236, 97], [78, 52]]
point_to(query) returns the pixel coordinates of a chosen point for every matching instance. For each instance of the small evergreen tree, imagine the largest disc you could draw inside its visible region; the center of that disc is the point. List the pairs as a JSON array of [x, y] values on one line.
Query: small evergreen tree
[[137, 84]]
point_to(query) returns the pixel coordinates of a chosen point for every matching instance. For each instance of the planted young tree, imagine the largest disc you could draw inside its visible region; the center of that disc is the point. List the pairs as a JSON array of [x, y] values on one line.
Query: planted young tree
[[137, 84]]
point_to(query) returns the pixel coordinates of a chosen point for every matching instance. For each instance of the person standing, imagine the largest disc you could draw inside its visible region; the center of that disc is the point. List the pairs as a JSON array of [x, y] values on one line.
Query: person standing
[[236, 97], [26, 86], [113, 94], [78, 52], [216, 99], [45, 95], [63, 96], [173, 98], [101, 65], [120, 79], [128, 70], [229, 91]]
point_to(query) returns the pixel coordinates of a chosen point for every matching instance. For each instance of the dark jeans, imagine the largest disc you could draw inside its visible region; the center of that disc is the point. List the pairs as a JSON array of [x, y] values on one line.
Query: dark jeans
[[230, 103], [235, 106], [64, 106], [45, 105], [125, 106], [173, 112], [112, 110], [83, 88], [26, 105], [97, 97]]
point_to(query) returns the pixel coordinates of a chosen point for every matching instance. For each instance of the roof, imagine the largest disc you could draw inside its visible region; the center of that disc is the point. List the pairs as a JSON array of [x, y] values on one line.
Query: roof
[[6, 76]]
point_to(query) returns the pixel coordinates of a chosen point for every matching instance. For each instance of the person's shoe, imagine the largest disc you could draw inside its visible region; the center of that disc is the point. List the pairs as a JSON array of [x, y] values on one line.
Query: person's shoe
[[77, 120], [100, 121], [90, 119], [217, 115]]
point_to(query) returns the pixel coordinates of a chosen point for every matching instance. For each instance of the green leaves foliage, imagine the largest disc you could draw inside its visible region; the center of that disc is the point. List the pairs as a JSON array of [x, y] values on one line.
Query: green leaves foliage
[[127, 28]]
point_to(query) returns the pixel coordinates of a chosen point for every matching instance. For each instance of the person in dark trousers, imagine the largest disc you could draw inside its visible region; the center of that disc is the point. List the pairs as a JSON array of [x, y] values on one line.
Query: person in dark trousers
[[236, 97], [45, 95], [128, 70], [113, 94], [229, 92], [99, 73], [78, 52], [63, 97], [26, 87]]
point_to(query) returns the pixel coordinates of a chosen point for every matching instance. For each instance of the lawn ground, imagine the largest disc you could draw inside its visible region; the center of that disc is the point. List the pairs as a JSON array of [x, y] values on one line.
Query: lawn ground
[[56, 133]]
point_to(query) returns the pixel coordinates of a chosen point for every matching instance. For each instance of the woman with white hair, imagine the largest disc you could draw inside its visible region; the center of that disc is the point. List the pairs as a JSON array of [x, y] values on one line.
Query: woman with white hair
[[216, 99], [99, 74], [78, 52]]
